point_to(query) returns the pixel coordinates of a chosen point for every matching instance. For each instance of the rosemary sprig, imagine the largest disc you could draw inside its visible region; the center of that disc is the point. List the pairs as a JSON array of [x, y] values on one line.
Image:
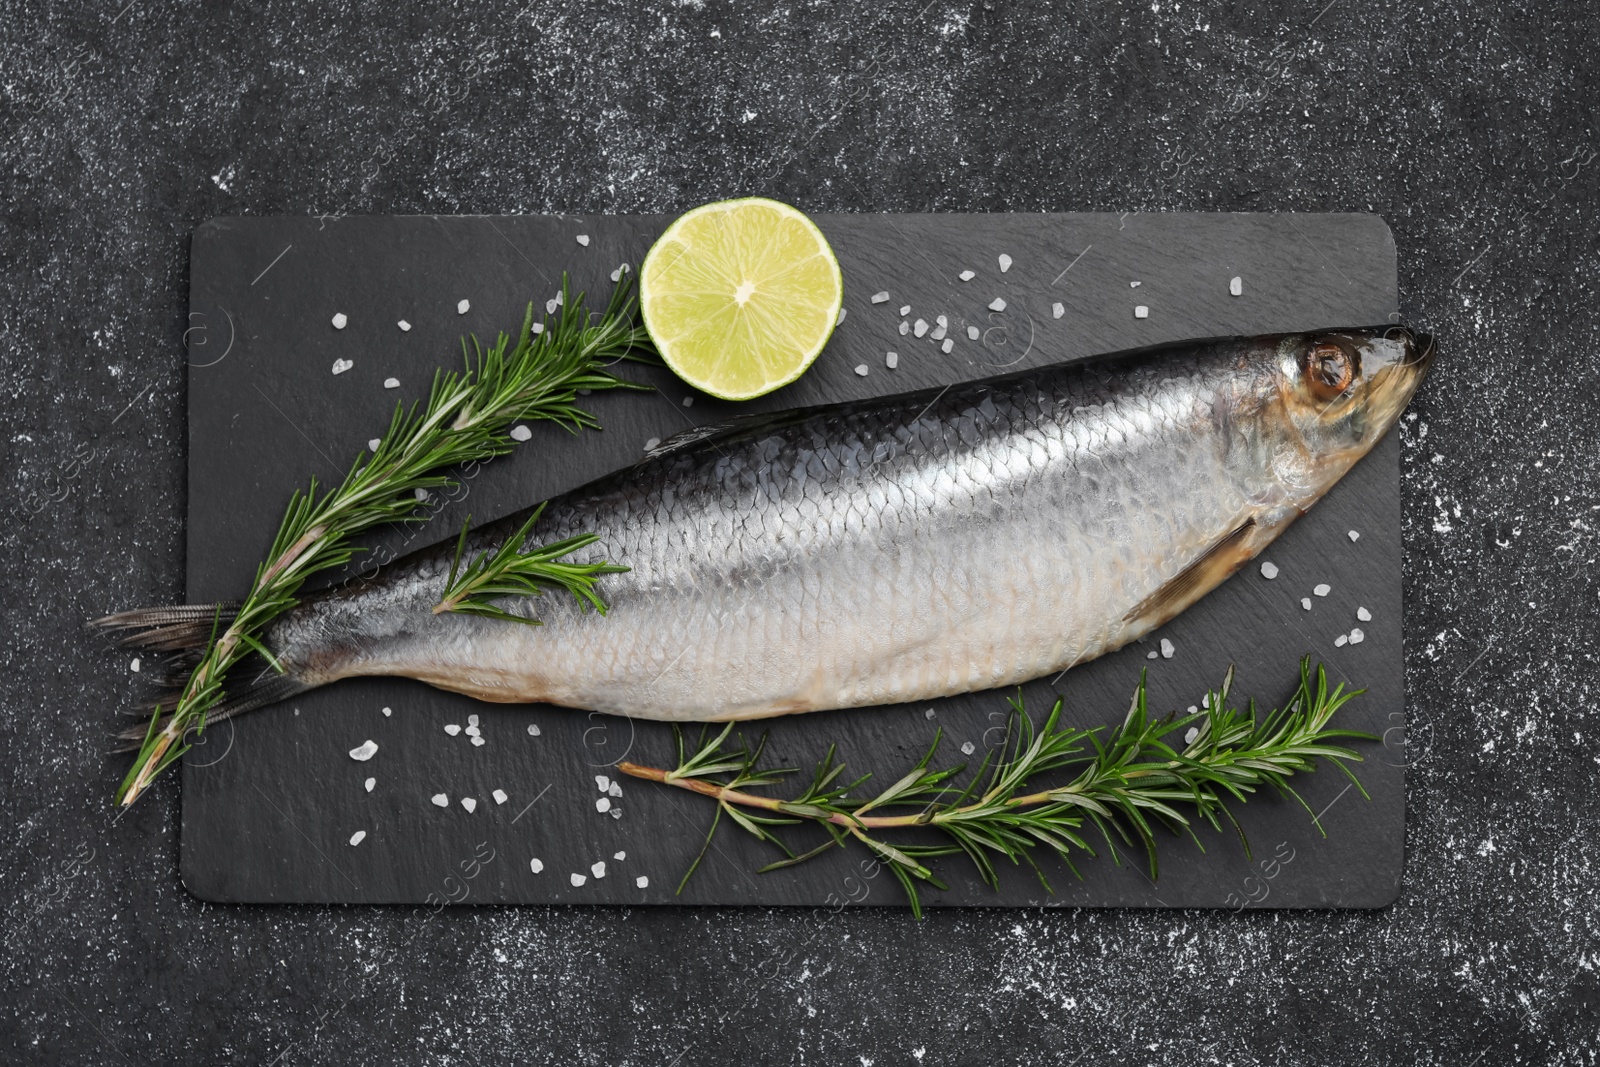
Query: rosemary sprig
[[466, 418], [1123, 786], [522, 572]]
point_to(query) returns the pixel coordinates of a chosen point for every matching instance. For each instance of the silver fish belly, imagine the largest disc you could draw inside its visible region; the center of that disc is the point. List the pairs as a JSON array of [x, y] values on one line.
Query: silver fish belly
[[898, 549]]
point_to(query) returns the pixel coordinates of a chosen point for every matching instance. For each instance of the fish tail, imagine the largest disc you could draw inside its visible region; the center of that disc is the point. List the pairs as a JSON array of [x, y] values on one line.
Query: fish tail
[[184, 632]]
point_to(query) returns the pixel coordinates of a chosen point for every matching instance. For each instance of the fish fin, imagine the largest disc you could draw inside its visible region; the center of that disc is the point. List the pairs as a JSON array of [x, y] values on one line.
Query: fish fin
[[1219, 561], [267, 687], [167, 629], [726, 428]]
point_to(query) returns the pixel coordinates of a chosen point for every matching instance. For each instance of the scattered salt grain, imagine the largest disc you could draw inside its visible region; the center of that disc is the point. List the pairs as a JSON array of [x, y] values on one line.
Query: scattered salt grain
[[583, 239], [880, 298], [1357, 636], [997, 304], [365, 751], [1134, 285], [1005, 262], [391, 383], [536, 865], [1167, 649], [1269, 569], [615, 789], [1363, 614], [500, 796], [972, 333], [904, 329], [929, 714], [387, 712], [1141, 312], [134, 666], [340, 321], [619, 856], [550, 307], [533, 729], [1323, 590], [1235, 285], [601, 782], [453, 729], [861, 369], [1354, 535], [966, 275], [652, 443], [477, 741], [1305, 602], [947, 346], [358, 837], [920, 328], [440, 800], [420, 494], [372, 445], [602, 805], [642, 882], [968, 748], [470, 803], [578, 880], [892, 360], [1057, 310], [1341, 640], [905, 309], [616, 275], [688, 401], [937, 334], [342, 365], [1151, 655], [463, 307], [1190, 734], [520, 432], [842, 313], [538, 328], [369, 783], [472, 720], [942, 320], [616, 813], [598, 868]]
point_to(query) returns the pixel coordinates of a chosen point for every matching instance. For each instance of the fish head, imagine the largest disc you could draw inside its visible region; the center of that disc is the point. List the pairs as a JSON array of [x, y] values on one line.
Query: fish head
[[1339, 392]]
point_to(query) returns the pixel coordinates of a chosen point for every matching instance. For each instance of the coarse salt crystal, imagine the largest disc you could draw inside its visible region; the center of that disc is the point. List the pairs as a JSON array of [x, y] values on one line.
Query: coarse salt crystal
[[500, 796], [472, 720], [533, 729], [688, 401], [342, 365], [1354, 535], [973, 333], [966, 275], [453, 729], [463, 307], [1357, 636], [550, 307], [1323, 590], [364, 751], [340, 320], [1363, 614], [947, 346], [616, 813], [536, 865], [905, 328], [538, 328], [905, 309], [937, 334], [391, 383], [420, 494], [997, 304], [929, 714], [642, 882], [387, 712], [1151, 655], [652, 443], [470, 803], [369, 783], [1269, 569], [942, 320], [440, 800], [598, 868], [1341, 640], [477, 741], [578, 880], [1134, 285], [920, 328], [358, 837], [842, 313], [601, 782], [603, 805], [968, 748], [520, 432], [583, 239], [880, 298], [134, 666], [1141, 312], [1235, 285], [1057, 310], [1305, 602], [372, 445], [473, 731], [614, 790], [1167, 649], [1190, 734], [619, 856], [861, 369], [1005, 262], [616, 275], [404, 325], [891, 360]]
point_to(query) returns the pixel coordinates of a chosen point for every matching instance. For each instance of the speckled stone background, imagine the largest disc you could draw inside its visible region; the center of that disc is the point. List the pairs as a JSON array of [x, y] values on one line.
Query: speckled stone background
[[1468, 127]]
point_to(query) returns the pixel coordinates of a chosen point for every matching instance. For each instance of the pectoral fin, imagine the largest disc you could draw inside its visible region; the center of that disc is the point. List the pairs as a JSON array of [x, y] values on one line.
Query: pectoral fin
[[1219, 561]]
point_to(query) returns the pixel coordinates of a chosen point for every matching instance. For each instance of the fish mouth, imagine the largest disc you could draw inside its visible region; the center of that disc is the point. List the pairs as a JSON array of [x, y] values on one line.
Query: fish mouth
[[1394, 366]]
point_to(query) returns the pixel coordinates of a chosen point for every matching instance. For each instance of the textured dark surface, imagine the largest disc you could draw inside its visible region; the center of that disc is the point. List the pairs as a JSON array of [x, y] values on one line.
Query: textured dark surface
[[1468, 127], [263, 387]]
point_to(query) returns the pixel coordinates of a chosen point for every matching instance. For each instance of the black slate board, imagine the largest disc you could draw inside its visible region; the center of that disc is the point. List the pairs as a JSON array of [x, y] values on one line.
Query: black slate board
[[271, 801]]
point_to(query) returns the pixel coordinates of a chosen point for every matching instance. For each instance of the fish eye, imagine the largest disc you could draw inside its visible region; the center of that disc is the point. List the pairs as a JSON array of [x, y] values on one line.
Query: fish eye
[[1329, 369]]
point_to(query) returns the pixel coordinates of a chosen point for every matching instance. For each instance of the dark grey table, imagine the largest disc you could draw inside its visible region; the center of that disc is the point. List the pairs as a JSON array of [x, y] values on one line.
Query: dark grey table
[[1469, 129]]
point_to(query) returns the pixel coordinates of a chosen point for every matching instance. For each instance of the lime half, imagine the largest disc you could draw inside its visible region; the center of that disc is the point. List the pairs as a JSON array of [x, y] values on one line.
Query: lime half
[[740, 296]]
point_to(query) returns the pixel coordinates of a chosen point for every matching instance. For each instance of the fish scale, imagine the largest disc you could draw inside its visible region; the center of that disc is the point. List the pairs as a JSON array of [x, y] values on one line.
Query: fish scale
[[896, 549]]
